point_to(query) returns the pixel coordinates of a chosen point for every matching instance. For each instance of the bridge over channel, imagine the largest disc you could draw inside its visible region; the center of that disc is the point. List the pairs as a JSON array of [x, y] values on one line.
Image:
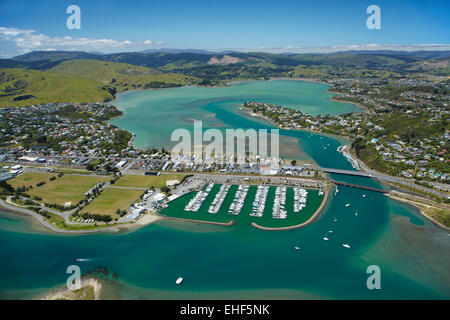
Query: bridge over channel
[[352, 185]]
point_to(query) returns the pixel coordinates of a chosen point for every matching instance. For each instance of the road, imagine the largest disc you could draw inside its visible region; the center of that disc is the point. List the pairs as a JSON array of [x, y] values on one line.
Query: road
[[382, 177]]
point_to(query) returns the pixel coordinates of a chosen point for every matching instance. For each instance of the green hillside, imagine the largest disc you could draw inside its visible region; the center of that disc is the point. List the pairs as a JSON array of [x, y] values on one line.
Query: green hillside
[[22, 87], [122, 76]]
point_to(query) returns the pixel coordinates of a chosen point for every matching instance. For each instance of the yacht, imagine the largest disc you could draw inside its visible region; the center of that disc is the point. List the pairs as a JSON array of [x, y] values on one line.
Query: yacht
[[259, 202], [345, 245], [218, 200]]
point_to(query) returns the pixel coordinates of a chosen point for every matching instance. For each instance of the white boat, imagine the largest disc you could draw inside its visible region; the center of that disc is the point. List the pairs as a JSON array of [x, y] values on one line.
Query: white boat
[[363, 195], [347, 205], [345, 245], [356, 213], [325, 238], [297, 248], [179, 280]]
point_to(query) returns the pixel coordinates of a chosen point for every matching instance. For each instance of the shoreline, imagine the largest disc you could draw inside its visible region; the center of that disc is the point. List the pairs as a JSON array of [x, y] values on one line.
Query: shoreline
[[332, 135], [231, 83], [419, 206], [37, 218], [66, 294], [252, 114]]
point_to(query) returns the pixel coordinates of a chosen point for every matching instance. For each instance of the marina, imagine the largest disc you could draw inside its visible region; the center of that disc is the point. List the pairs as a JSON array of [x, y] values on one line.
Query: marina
[[344, 150], [270, 206]]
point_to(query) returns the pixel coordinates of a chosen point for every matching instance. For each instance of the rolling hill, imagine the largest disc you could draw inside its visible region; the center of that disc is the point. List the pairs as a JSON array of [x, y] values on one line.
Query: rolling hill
[[23, 87], [121, 75], [52, 76]]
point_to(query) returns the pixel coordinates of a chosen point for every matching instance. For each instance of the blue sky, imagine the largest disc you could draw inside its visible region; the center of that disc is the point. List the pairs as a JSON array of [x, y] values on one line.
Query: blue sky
[[244, 24]]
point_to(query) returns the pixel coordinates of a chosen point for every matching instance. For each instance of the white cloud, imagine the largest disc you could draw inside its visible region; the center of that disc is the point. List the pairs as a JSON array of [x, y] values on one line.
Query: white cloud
[[15, 41], [337, 48]]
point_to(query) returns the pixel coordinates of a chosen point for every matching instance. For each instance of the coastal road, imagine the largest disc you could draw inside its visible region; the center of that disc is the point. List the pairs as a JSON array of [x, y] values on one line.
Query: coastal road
[[382, 177]]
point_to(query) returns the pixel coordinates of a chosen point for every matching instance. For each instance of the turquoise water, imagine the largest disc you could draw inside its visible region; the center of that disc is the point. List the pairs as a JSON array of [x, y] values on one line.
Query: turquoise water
[[153, 115], [240, 261]]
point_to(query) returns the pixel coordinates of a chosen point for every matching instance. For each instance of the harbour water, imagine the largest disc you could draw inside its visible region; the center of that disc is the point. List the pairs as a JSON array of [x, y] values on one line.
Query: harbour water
[[154, 115], [176, 208], [240, 261]]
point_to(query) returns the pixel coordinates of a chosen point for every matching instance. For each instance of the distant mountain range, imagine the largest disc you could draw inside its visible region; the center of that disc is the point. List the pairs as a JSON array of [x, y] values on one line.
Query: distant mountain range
[[107, 74], [65, 55]]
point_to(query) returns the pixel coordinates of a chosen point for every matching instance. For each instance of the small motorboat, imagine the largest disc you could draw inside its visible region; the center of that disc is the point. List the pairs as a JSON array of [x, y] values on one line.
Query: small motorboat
[[345, 245], [347, 205], [179, 280], [297, 248]]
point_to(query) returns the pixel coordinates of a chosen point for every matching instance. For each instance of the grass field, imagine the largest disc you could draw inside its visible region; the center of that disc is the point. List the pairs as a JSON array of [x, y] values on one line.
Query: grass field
[[112, 199], [120, 75], [30, 179], [68, 188], [147, 181], [32, 87], [71, 170]]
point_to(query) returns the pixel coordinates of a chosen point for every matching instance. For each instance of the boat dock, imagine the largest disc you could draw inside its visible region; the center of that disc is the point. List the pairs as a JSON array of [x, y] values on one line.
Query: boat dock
[[218, 200], [239, 200], [300, 199], [214, 199], [278, 211], [259, 203], [196, 202]]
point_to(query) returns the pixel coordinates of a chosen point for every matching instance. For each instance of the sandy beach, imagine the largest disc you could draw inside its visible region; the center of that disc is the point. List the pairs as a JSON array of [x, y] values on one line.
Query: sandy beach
[[91, 289]]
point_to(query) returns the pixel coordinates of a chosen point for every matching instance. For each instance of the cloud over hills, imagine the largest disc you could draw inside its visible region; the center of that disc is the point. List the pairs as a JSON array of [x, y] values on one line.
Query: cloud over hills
[[15, 41]]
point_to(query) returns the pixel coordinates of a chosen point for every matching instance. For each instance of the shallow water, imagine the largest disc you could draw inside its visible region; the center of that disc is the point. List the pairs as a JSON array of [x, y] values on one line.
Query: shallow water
[[240, 261], [153, 114]]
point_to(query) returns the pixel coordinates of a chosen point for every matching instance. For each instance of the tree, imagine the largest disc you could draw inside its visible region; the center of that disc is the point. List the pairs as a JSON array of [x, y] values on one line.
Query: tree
[[165, 189]]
